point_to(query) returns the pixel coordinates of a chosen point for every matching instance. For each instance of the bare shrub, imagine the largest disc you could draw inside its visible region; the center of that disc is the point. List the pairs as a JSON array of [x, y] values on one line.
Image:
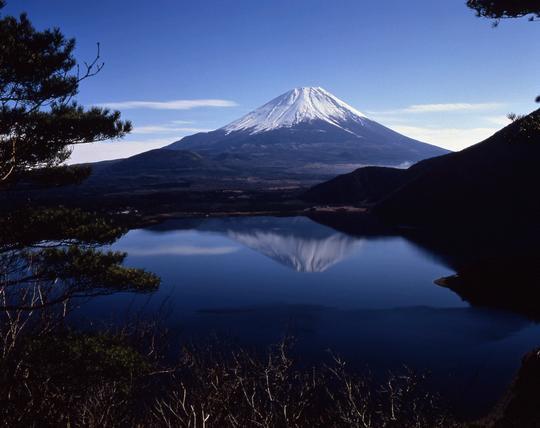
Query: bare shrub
[[210, 389]]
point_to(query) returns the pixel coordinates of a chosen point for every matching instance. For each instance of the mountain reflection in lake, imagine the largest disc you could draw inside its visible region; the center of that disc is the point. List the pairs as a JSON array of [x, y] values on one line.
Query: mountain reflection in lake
[[370, 299], [301, 254]]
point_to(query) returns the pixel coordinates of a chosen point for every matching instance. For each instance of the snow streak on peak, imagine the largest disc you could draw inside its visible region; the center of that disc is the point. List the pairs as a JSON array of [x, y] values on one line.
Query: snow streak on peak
[[294, 107]]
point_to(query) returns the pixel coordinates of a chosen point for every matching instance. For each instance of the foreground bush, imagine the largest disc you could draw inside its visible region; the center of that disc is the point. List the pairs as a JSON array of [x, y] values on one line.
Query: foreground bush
[[238, 389], [101, 380]]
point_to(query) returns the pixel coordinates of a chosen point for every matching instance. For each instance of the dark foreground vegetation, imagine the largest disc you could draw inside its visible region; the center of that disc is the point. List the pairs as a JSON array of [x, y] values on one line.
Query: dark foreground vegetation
[[52, 376]]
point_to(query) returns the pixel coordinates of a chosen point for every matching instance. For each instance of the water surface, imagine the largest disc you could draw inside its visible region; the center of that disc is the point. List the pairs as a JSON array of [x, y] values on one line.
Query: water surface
[[371, 300]]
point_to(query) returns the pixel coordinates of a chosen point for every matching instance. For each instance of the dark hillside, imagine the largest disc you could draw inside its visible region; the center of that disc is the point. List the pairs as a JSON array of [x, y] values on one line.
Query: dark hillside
[[495, 180], [362, 186]]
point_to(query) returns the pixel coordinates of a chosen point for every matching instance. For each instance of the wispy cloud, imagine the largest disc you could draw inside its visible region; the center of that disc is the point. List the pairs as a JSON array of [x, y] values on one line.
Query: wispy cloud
[[501, 120], [439, 108], [95, 152], [448, 138], [149, 137], [165, 129], [427, 108], [169, 105]]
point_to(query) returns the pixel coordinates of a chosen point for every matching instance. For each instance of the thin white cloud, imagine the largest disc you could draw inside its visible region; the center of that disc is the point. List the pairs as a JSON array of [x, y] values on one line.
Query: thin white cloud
[[155, 136], [440, 108], [169, 105], [501, 120], [449, 138], [428, 108], [96, 152], [165, 129]]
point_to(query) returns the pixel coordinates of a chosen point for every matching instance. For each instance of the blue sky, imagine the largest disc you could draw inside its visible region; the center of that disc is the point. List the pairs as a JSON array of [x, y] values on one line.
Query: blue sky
[[429, 69]]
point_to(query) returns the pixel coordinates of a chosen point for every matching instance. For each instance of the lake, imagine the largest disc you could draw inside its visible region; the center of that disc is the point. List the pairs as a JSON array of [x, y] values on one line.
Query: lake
[[369, 299]]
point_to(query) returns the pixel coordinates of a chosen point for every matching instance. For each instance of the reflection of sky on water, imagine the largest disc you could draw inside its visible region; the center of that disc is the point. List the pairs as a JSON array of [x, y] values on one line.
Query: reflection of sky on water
[[178, 250]]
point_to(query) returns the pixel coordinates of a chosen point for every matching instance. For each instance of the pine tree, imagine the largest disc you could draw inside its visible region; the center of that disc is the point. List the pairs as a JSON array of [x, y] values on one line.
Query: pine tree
[[50, 255], [39, 119]]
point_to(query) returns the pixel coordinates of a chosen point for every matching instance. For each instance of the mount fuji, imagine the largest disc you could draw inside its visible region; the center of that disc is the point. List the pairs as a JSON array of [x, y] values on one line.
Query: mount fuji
[[308, 126], [300, 138]]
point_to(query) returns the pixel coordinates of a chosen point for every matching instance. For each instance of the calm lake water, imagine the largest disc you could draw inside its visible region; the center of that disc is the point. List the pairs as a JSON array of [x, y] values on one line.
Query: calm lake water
[[370, 300]]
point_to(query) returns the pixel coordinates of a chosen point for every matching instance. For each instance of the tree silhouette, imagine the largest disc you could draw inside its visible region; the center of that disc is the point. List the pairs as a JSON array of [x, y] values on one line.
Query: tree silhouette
[[502, 9], [39, 120], [50, 255]]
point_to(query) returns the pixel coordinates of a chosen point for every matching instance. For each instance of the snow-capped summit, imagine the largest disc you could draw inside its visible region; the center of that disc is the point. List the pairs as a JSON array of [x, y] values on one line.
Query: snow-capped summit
[[304, 132], [298, 105]]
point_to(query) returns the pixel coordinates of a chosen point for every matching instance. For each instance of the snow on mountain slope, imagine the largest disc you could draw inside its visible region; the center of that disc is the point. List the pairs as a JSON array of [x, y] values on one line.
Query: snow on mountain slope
[[296, 106]]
